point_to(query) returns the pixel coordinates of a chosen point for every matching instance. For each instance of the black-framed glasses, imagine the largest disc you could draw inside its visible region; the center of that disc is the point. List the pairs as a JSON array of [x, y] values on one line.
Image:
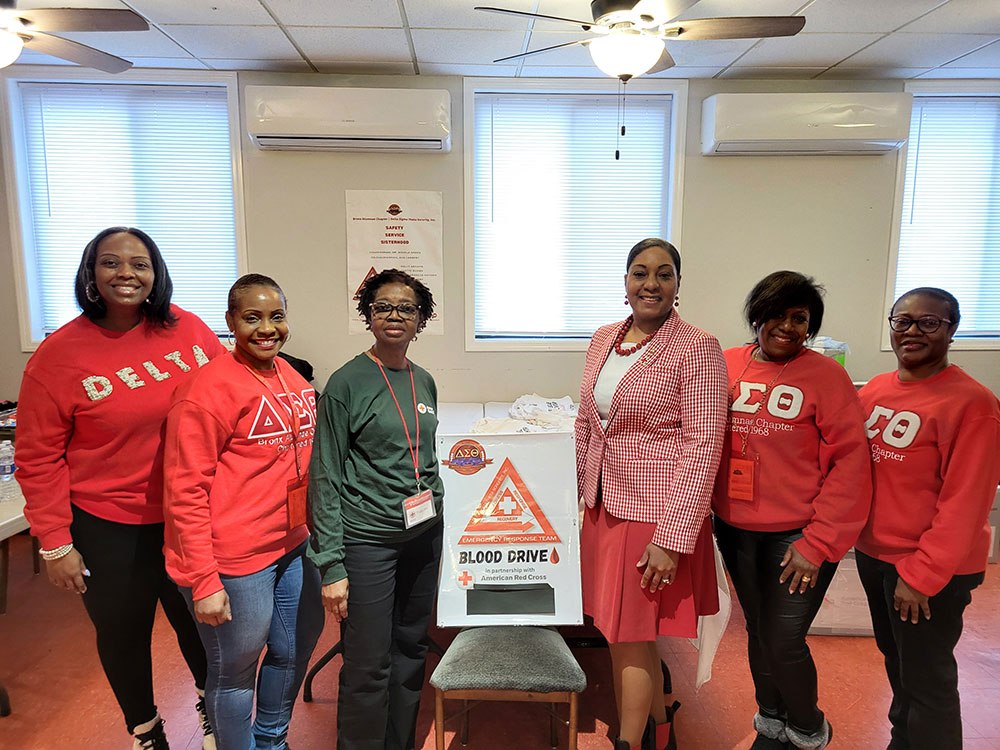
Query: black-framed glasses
[[405, 310], [927, 324]]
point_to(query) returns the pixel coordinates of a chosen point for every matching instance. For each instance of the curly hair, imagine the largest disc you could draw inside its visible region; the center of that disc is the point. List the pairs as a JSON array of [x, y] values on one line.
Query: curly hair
[[425, 300], [780, 290]]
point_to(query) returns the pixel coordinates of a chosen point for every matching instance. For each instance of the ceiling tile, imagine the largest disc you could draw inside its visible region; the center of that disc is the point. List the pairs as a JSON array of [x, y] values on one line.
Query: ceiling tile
[[171, 63], [27, 57], [987, 57], [708, 52], [465, 47], [806, 50], [356, 45], [216, 12], [872, 72], [961, 16], [126, 43], [576, 54], [686, 72], [474, 71], [30, 5], [766, 72], [724, 8], [364, 68], [917, 50], [863, 15], [561, 71], [575, 10], [278, 66], [233, 42], [962, 73], [373, 13], [460, 14]]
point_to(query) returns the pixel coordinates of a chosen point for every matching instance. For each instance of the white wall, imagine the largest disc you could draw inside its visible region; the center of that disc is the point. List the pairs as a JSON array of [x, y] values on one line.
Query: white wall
[[743, 217]]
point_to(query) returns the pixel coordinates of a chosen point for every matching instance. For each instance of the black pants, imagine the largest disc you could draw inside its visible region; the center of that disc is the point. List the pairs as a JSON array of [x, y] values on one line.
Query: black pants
[[127, 578], [784, 674], [389, 605], [919, 659]]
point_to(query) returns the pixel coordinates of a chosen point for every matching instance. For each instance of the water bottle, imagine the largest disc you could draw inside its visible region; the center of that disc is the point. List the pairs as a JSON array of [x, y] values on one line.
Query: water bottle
[[8, 486]]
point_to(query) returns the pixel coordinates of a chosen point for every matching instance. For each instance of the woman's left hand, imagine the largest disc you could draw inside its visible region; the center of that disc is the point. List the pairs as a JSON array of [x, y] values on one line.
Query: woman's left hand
[[660, 564], [801, 571]]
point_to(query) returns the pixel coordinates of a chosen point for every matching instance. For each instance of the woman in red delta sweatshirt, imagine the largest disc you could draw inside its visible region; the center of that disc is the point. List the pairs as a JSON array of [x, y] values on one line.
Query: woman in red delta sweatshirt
[[93, 400], [239, 439], [791, 496], [935, 446]]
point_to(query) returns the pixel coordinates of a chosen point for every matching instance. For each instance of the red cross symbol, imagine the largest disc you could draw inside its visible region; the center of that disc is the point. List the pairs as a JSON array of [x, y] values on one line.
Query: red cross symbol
[[465, 579]]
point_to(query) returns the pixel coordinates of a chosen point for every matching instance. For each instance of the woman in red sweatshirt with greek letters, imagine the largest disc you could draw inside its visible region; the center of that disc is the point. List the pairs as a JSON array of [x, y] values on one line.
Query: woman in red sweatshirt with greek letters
[[935, 446], [791, 496], [93, 400], [239, 439]]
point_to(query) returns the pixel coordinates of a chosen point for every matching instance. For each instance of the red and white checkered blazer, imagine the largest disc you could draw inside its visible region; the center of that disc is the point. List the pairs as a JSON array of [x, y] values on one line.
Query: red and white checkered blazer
[[657, 458]]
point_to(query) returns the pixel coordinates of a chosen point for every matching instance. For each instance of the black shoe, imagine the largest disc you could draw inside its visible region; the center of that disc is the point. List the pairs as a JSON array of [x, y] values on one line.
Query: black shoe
[[768, 743], [154, 739]]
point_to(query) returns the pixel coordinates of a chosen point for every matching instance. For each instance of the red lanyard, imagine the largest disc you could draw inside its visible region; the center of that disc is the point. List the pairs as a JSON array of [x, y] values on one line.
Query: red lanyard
[[413, 450], [296, 421]]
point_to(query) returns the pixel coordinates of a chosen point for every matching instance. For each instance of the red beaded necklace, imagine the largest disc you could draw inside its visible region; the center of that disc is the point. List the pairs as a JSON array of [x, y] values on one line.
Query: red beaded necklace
[[621, 337]]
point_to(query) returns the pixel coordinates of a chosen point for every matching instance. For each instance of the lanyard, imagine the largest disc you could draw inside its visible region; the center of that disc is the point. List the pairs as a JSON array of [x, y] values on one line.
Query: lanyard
[[296, 422], [745, 438], [413, 450]]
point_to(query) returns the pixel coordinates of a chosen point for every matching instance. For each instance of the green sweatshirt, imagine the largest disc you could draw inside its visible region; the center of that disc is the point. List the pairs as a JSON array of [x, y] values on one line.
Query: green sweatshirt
[[361, 468]]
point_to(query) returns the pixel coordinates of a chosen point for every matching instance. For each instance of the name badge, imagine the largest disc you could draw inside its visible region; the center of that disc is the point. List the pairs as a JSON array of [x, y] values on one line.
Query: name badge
[[741, 471], [297, 491], [418, 508]]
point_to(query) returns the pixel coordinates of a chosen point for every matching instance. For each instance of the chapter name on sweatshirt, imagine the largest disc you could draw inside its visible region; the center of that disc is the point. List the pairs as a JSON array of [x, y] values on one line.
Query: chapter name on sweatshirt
[[99, 387]]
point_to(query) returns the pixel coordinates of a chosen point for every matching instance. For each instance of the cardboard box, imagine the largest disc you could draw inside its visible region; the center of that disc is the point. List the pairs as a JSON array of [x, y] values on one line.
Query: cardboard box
[[844, 610]]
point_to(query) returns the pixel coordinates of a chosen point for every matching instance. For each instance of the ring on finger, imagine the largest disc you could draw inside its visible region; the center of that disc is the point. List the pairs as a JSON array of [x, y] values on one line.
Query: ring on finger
[[806, 578]]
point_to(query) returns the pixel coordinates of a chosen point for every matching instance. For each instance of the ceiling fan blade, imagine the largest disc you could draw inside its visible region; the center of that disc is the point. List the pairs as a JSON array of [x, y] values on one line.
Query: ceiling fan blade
[[543, 49], [524, 14], [665, 61], [749, 27], [81, 19], [75, 52]]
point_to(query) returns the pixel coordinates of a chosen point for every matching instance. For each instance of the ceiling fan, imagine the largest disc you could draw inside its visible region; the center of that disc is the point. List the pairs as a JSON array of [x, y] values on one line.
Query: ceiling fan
[[629, 35], [28, 28]]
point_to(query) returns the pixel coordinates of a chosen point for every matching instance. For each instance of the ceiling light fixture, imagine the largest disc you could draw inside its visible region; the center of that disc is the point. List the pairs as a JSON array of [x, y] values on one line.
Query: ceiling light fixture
[[625, 53], [10, 48]]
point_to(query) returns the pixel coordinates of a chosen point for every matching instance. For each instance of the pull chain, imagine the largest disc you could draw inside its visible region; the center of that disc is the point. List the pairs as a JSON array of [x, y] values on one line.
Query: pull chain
[[623, 80]]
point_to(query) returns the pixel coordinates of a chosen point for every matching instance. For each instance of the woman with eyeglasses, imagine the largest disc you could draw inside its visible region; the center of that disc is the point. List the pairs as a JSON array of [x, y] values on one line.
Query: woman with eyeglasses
[[375, 497], [792, 494], [935, 437]]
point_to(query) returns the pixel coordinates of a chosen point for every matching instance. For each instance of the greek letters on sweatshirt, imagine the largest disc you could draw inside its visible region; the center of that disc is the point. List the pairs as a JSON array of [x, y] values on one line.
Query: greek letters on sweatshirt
[[90, 420], [362, 469], [935, 446], [813, 470], [228, 457]]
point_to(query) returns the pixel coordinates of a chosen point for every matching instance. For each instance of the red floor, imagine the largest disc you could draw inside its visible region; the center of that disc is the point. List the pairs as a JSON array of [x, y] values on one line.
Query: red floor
[[60, 698]]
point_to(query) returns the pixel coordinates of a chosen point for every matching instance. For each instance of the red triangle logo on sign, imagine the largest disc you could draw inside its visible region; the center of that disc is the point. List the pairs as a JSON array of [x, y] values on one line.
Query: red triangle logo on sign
[[508, 514], [371, 272]]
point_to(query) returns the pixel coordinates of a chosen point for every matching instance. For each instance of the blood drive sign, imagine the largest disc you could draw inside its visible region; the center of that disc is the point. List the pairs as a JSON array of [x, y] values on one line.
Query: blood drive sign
[[511, 531]]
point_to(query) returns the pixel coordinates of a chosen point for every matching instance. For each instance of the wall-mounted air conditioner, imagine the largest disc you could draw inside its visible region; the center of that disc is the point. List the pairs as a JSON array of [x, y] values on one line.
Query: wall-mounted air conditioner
[[310, 118], [789, 124]]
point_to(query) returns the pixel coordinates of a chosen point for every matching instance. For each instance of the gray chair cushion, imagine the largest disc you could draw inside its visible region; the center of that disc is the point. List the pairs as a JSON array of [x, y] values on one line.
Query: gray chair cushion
[[509, 657]]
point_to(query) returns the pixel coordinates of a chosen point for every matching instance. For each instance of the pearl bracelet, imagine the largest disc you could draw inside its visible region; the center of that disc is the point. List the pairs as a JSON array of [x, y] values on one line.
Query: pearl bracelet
[[55, 554]]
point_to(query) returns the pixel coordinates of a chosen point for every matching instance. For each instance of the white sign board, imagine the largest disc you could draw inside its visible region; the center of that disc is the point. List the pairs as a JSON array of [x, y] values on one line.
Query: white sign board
[[394, 229], [511, 531]]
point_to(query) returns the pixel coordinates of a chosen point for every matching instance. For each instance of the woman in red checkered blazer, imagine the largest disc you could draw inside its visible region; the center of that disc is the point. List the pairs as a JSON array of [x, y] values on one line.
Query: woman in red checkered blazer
[[648, 437]]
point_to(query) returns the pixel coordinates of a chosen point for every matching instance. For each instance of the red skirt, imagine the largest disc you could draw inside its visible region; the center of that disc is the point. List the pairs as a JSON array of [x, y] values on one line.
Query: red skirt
[[623, 611]]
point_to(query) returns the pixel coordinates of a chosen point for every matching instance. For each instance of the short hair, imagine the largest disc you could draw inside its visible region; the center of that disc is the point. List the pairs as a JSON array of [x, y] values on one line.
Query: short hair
[[425, 300], [780, 290], [649, 242], [248, 281], [157, 305], [939, 294]]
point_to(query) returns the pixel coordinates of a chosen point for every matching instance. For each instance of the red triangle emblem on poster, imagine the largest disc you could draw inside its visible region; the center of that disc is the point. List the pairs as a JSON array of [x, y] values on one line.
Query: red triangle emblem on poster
[[357, 292], [508, 514]]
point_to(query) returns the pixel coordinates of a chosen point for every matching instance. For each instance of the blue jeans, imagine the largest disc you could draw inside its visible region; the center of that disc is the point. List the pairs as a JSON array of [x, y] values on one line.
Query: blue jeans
[[925, 713], [784, 674], [278, 607]]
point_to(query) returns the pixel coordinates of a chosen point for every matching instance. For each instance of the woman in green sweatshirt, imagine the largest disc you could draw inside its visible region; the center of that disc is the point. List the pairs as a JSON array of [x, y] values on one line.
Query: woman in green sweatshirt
[[375, 499]]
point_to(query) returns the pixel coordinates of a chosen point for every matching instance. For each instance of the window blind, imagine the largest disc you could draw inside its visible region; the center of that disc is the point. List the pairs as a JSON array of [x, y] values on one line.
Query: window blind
[[150, 156], [950, 231], [556, 213]]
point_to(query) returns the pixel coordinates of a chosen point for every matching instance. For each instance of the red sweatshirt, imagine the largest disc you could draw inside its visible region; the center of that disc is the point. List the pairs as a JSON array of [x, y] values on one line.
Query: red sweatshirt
[[90, 419], [813, 470], [935, 444], [228, 459]]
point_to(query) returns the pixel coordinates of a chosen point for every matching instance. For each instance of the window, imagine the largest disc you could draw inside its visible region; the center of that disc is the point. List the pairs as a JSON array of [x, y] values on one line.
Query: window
[[150, 155], [949, 231], [554, 212]]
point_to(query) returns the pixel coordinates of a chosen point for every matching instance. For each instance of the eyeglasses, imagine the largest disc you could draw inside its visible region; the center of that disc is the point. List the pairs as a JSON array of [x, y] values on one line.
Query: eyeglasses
[[405, 310], [927, 324]]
